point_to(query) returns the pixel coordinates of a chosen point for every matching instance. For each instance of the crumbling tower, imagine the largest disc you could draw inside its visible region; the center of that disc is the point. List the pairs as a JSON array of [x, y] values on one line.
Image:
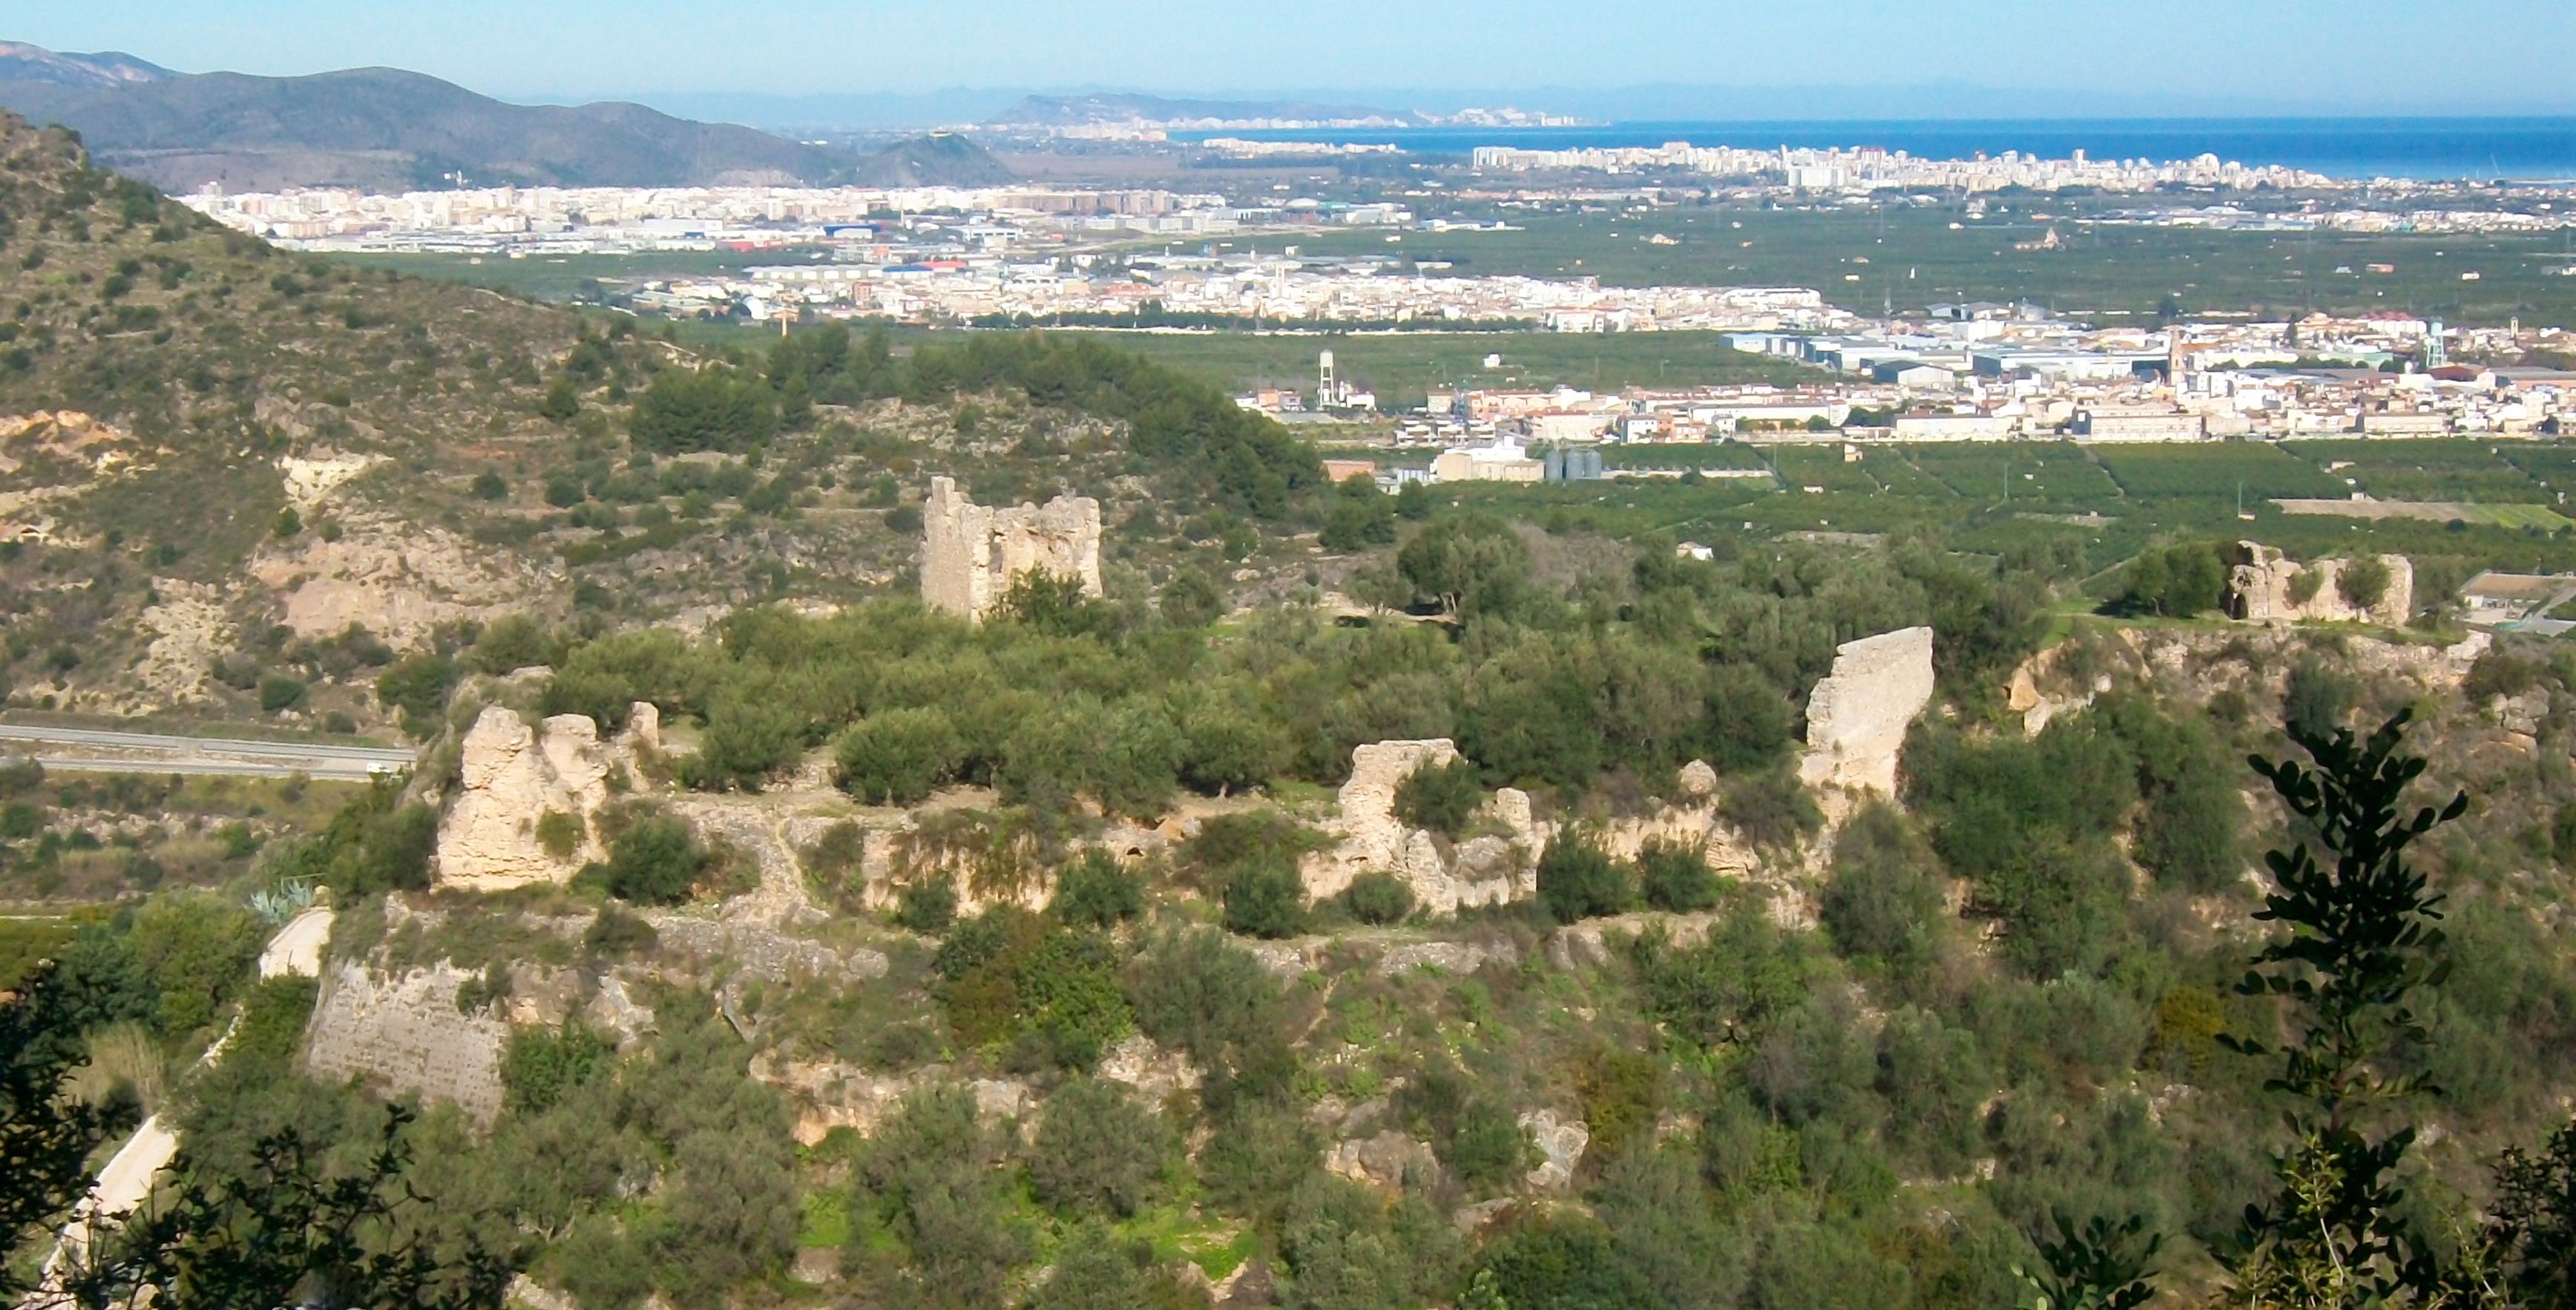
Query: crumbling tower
[[970, 553]]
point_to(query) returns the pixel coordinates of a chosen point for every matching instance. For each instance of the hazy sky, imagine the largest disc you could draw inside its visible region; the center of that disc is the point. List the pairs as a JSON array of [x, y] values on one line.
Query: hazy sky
[[2332, 55]]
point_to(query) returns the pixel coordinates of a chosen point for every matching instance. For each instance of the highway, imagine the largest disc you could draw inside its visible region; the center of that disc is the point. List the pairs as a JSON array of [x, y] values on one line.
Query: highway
[[98, 750]]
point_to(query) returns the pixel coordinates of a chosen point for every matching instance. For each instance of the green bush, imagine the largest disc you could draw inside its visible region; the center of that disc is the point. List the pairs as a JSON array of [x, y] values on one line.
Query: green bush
[[1098, 1151], [655, 861], [897, 757], [1771, 808], [1265, 898], [1377, 898], [1440, 797], [278, 693], [1190, 600], [927, 905], [559, 834], [614, 934], [1097, 891], [2362, 581], [541, 1064], [1883, 900], [1578, 880], [1675, 877]]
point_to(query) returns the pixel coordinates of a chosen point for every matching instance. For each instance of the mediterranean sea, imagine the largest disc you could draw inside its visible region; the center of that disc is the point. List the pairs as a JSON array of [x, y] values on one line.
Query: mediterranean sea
[[2520, 149]]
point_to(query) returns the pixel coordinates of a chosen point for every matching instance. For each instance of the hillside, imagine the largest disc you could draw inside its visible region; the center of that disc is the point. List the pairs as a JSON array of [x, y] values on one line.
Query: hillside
[[386, 129], [221, 457], [939, 159], [20, 62]]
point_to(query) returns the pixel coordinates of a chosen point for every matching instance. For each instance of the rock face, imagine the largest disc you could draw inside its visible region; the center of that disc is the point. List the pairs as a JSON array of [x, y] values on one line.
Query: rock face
[[513, 778], [2259, 590], [971, 553], [1857, 716], [405, 1035]]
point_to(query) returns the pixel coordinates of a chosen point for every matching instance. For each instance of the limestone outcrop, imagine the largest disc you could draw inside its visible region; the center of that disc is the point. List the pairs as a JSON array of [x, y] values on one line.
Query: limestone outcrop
[[970, 553], [1858, 715], [513, 778], [405, 1035], [2262, 587]]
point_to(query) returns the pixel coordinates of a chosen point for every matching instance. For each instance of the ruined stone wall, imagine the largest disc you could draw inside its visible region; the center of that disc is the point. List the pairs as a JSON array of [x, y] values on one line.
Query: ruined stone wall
[[513, 776], [971, 553], [405, 1035], [1857, 716], [2258, 590]]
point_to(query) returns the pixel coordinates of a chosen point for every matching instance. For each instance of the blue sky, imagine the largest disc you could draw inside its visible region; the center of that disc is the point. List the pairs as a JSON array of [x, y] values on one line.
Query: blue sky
[[2346, 56]]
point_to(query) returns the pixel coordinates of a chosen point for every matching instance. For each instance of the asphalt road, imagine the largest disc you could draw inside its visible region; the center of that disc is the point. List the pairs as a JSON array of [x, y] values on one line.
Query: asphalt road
[[97, 750]]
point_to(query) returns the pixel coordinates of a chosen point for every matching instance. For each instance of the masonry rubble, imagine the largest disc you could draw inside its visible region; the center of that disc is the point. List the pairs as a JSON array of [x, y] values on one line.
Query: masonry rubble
[[513, 776], [1858, 715], [2260, 578], [971, 554]]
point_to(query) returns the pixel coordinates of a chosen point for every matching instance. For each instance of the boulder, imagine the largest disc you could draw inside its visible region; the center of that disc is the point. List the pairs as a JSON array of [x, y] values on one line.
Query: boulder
[[1561, 1142]]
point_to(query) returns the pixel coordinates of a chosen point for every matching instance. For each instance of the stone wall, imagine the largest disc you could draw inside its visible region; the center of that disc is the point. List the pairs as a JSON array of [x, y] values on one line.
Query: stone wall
[[2260, 578], [405, 1035], [970, 553], [1857, 716], [513, 776], [1487, 870]]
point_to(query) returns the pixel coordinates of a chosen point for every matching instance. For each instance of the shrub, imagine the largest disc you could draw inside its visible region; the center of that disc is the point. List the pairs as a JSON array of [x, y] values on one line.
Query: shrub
[[542, 1064], [488, 485], [1266, 898], [1097, 891], [655, 861], [614, 934], [1675, 877], [2362, 581], [1771, 808], [1256, 1157], [559, 833], [1440, 797], [1190, 600], [1377, 898], [927, 906], [278, 693], [1577, 880], [1098, 1151], [897, 757], [1882, 902]]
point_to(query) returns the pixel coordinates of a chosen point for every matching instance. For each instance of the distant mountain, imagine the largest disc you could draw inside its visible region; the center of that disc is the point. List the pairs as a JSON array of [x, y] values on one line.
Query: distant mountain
[[939, 159], [1081, 110], [20, 62], [388, 130]]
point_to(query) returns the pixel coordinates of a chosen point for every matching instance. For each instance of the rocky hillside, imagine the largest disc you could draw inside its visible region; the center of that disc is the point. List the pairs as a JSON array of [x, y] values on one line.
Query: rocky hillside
[[229, 467]]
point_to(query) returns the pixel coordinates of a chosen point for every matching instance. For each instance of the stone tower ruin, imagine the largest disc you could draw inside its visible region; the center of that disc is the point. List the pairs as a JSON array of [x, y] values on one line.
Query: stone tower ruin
[[971, 553]]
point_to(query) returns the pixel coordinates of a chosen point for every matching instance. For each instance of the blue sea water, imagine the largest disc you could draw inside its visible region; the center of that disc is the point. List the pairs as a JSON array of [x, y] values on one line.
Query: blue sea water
[[2424, 148]]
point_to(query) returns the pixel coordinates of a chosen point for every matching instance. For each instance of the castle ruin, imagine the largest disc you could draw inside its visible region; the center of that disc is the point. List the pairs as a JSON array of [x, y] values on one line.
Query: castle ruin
[[2264, 586], [1857, 716], [970, 553]]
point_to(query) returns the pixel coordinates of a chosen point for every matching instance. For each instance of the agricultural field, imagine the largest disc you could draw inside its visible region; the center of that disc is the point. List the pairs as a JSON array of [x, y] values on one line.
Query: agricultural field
[[2468, 469], [2051, 477], [2256, 470]]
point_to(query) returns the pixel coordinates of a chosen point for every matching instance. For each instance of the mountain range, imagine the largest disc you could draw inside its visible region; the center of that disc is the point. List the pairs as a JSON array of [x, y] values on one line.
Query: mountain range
[[387, 129]]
